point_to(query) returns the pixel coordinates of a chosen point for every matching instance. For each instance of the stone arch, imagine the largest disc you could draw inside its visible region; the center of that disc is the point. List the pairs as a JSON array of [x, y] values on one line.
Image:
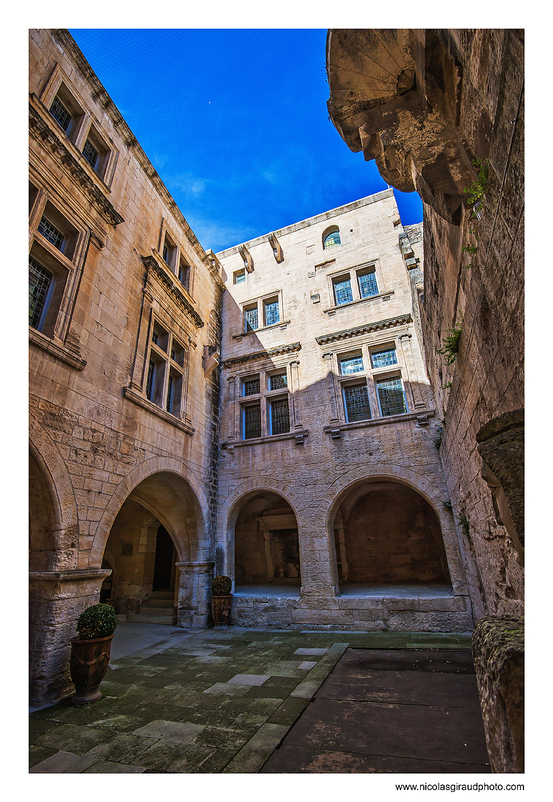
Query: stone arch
[[153, 482], [433, 494], [53, 517], [231, 506]]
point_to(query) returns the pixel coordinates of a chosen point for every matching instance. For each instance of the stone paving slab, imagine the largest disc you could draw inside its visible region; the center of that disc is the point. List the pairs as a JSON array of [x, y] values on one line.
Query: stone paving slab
[[179, 705]]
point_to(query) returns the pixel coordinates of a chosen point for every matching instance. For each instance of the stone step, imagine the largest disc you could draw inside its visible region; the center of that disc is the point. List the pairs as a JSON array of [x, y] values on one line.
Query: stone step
[[166, 612], [161, 603], [162, 594], [138, 618]]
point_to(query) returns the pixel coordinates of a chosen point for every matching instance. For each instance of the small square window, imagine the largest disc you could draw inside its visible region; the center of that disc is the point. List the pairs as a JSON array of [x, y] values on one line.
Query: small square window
[[278, 381], [351, 364], [52, 234], [251, 386], [280, 416], [60, 113], [252, 421], [251, 318], [91, 154], [271, 311], [380, 359], [184, 273], [391, 397], [356, 401], [239, 276], [342, 290]]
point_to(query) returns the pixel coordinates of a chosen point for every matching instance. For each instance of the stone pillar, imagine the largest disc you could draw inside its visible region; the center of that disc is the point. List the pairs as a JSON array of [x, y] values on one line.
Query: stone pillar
[[231, 406], [295, 409], [194, 594], [331, 384], [57, 598], [410, 372], [498, 652]]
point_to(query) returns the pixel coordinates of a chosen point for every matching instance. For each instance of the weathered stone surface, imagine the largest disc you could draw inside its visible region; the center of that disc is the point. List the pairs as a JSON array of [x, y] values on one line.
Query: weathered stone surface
[[498, 651]]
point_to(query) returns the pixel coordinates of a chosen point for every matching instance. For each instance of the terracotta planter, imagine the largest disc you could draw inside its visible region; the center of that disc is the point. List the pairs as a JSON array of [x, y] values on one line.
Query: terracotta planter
[[88, 666], [220, 609]]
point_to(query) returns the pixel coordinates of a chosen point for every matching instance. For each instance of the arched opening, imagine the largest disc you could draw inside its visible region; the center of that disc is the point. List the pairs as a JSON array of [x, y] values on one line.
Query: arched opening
[[331, 237], [266, 546], [41, 520], [386, 534], [156, 527]]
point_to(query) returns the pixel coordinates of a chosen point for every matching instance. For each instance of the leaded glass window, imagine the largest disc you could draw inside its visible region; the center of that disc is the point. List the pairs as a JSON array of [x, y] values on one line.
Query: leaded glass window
[[352, 364], [391, 397], [170, 388], [250, 386], [331, 240], [280, 416], [380, 359], [90, 153], [367, 284], [52, 234], [252, 421], [40, 281], [251, 318], [272, 312], [278, 381], [356, 400], [150, 381], [60, 114], [342, 291]]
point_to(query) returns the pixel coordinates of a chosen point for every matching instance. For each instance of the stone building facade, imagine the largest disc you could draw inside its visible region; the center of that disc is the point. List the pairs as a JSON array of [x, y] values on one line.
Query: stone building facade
[[124, 316], [332, 499], [266, 412]]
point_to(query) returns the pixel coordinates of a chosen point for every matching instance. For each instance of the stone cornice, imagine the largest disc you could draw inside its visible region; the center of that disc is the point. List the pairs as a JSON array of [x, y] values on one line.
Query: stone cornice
[[42, 131], [171, 287], [366, 328], [101, 96], [265, 354]]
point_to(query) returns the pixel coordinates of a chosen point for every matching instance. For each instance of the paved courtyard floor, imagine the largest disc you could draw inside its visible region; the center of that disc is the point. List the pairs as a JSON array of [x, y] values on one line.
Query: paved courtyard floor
[[222, 701]]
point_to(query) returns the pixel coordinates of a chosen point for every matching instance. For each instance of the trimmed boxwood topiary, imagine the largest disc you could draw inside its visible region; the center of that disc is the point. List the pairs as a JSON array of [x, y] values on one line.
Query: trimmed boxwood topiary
[[98, 621], [221, 586]]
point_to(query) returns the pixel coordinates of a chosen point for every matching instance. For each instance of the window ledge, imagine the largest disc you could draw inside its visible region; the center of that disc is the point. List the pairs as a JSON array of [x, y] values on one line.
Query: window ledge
[[298, 435], [60, 352], [381, 295], [155, 410], [281, 325], [340, 427]]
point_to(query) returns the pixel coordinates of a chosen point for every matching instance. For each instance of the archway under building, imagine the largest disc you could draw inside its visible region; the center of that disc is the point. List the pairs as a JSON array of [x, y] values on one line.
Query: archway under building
[[387, 535], [266, 547], [156, 527]]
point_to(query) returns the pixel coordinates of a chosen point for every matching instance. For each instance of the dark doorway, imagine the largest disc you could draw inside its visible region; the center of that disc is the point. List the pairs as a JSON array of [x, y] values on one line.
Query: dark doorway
[[164, 561]]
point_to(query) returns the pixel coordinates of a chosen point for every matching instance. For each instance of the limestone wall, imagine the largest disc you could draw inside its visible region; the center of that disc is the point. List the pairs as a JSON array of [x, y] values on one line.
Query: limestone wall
[[97, 429], [324, 456]]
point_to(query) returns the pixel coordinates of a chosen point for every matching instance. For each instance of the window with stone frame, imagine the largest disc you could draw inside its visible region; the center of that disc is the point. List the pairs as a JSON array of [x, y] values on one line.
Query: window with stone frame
[[96, 151], [264, 404], [331, 237], [262, 313], [354, 285], [172, 253], [67, 112], [56, 258], [378, 390], [164, 379]]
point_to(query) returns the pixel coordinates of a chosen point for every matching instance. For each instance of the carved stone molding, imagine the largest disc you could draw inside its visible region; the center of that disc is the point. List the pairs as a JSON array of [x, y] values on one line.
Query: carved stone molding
[[367, 328], [171, 287], [266, 354], [41, 130]]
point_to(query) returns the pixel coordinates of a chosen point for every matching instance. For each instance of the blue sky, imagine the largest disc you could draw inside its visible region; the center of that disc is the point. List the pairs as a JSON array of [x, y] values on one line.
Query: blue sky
[[235, 123]]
